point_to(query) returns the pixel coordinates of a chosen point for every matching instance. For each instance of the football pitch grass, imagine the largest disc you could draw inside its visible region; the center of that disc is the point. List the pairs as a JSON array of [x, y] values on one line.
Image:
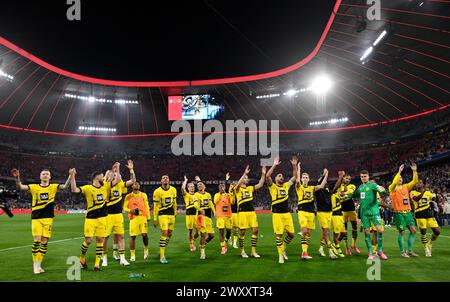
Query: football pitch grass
[[16, 264]]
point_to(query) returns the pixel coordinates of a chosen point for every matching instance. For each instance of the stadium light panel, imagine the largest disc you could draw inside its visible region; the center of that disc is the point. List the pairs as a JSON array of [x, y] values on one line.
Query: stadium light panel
[[321, 84], [380, 37], [93, 99], [291, 92], [5, 75], [366, 54], [330, 121], [99, 129]]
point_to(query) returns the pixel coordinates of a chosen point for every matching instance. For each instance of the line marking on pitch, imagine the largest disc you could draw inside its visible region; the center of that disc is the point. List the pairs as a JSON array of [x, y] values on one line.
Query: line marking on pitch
[[55, 241], [24, 246]]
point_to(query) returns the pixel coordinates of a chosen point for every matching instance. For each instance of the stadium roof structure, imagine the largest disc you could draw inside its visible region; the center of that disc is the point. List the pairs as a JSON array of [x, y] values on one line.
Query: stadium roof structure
[[403, 75]]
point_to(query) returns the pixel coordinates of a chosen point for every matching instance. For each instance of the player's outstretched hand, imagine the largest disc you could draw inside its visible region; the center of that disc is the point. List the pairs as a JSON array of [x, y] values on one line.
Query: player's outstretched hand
[[227, 176], [341, 173], [15, 173], [263, 170], [197, 178], [247, 170], [130, 164], [294, 160], [185, 178], [414, 167], [380, 188], [400, 169], [72, 171], [325, 171], [276, 161]]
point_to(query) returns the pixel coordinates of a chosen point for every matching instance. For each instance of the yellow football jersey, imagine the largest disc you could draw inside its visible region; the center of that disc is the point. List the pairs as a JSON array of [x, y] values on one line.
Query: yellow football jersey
[[244, 197], [165, 201], [280, 196], [204, 202], [43, 198], [305, 198], [114, 202], [96, 198], [424, 203], [189, 200]]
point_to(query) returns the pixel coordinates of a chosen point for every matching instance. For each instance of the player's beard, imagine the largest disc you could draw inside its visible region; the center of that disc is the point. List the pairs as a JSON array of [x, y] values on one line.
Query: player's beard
[[100, 182]]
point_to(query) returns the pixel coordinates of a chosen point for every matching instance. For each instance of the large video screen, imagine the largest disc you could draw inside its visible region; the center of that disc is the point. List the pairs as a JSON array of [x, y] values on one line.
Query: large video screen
[[195, 107]]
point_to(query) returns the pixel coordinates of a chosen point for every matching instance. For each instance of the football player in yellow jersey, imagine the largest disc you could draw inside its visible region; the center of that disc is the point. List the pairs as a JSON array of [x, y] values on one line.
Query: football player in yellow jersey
[[234, 213], [42, 213], [222, 202], [246, 211], [205, 209], [96, 195], [191, 211], [137, 207], [115, 223], [281, 213], [306, 208], [423, 213], [337, 219], [164, 212], [349, 213]]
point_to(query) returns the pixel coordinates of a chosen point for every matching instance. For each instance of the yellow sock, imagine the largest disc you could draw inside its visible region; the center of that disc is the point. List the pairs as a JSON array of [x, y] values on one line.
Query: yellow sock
[[133, 253], [98, 254], [162, 246], [304, 244], [280, 248]]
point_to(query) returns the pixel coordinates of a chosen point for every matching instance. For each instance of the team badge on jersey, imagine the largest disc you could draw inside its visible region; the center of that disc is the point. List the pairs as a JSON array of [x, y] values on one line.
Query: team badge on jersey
[[44, 196]]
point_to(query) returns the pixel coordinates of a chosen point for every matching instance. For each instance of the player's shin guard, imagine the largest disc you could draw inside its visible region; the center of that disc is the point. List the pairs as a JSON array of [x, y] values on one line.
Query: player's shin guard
[[98, 254], [254, 241], [241, 242], [368, 241], [227, 234], [401, 244], [424, 240], [235, 236], [433, 238], [345, 239], [162, 246], [84, 248], [354, 236], [279, 243], [379, 242], [304, 243], [115, 249], [287, 240], [42, 251], [411, 238], [35, 250], [322, 243]]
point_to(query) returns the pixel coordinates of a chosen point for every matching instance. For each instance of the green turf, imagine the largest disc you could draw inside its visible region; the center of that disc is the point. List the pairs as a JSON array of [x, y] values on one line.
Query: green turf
[[16, 265]]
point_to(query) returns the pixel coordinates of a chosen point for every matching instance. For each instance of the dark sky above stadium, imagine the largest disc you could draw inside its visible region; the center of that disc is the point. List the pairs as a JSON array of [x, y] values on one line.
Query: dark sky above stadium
[[167, 40]]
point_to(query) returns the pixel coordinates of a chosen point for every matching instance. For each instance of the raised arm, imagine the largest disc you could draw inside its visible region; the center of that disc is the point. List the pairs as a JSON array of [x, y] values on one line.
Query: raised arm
[[324, 181], [276, 162], [132, 180], [116, 177], [341, 175], [73, 182], [294, 162], [227, 177], [241, 180], [125, 203], [260, 184], [415, 179], [298, 179], [65, 185], [396, 178], [16, 174], [183, 186]]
